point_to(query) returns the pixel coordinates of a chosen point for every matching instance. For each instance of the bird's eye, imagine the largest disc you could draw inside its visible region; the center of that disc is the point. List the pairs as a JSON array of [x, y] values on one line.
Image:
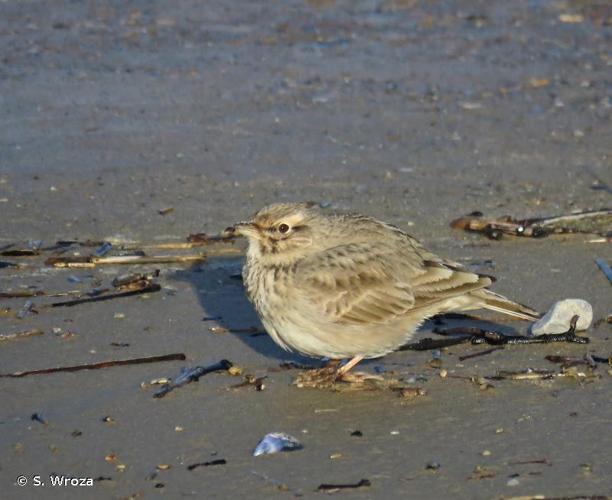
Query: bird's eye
[[283, 228]]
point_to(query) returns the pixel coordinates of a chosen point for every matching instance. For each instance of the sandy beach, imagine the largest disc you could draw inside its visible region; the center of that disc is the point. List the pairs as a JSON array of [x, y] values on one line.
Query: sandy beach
[[146, 122]]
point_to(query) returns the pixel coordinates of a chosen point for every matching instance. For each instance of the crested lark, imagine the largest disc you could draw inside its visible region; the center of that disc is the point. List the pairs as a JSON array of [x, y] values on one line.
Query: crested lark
[[351, 286]]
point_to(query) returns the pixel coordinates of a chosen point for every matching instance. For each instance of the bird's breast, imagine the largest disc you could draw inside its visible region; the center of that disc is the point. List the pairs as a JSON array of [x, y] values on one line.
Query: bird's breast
[[267, 287]]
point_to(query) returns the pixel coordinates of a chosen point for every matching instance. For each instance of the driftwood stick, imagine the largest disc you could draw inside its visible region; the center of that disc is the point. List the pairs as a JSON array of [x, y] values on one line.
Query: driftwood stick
[[153, 287], [20, 335], [90, 261], [95, 366]]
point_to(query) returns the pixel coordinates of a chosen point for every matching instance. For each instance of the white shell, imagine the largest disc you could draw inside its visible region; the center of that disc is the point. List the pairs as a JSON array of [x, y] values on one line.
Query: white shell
[[558, 317], [275, 442]]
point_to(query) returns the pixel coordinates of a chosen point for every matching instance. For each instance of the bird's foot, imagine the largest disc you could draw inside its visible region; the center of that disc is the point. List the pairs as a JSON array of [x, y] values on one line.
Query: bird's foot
[[329, 378], [317, 378]]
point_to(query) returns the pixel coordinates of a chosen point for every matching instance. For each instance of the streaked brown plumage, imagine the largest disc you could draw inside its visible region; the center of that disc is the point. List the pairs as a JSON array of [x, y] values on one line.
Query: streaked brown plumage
[[350, 286]]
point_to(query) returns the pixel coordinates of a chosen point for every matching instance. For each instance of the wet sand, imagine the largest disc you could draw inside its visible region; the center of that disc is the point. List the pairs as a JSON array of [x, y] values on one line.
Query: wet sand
[[414, 112]]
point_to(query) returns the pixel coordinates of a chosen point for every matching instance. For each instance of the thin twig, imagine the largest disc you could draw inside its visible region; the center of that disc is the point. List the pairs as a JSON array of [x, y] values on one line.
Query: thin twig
[[96, 366], [153, 287], [480, 353], [20, 335], [21, 294], [364, 483], [90, 261]]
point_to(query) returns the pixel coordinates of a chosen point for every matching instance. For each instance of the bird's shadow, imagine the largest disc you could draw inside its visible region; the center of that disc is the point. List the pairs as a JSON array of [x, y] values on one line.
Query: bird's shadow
[[219, 288]]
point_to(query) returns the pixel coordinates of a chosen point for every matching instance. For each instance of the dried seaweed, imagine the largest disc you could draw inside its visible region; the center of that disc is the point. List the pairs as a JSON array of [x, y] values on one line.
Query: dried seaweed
[[192, 375], [589, 222], [482, 336]]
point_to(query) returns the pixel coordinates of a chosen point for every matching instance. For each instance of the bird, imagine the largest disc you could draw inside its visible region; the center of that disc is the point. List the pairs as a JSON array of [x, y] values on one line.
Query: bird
[[349, 286]]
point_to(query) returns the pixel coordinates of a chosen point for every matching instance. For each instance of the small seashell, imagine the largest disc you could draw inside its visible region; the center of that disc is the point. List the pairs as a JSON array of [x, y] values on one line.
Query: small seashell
[[557, 319], [275, 442], [163, 466], [335, 456]]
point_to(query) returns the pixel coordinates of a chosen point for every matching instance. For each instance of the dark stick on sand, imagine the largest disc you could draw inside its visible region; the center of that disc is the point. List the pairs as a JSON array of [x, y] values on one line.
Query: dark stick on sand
[[481, 336], [153, 287], [480, 353], [96, 366], [364, 483]]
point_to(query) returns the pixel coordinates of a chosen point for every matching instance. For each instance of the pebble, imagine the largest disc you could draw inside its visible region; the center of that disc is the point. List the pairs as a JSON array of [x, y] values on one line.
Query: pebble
[[557, 319]]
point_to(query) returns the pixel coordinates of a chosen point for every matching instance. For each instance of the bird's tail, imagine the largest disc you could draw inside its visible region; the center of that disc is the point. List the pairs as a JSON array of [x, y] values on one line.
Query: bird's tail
[[498, 303]]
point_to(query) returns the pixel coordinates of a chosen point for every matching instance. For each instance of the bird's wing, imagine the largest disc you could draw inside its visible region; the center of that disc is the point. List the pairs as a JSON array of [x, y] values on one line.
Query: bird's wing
[[377, 282]]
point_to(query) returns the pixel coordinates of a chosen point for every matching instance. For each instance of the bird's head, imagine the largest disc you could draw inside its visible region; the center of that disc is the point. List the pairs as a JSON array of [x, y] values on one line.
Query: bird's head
[[281, 231]]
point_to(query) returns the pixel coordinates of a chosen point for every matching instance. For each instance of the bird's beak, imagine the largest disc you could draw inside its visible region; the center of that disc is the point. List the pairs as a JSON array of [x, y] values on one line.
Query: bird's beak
[[247, 229]]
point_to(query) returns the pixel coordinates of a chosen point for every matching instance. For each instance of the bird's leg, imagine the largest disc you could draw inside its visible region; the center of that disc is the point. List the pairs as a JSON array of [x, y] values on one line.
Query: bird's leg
[[343, 370]]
